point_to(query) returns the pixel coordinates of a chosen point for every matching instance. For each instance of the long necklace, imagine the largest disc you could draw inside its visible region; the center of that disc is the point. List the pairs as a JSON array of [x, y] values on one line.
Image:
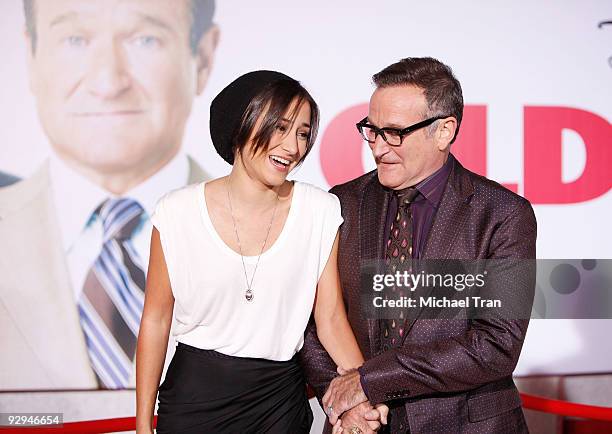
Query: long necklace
[[249, 295]]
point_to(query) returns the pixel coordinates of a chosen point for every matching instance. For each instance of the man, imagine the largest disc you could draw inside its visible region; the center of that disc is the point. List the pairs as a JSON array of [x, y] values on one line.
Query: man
[[114, 82], [7, 179], [452, 376]]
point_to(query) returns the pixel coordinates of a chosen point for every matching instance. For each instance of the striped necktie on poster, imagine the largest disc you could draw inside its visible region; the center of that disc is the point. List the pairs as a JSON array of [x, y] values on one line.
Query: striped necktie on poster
[[111, 303]]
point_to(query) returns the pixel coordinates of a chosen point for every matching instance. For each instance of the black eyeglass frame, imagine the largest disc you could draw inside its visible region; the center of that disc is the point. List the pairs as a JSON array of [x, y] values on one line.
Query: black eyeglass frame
[[400, 132]]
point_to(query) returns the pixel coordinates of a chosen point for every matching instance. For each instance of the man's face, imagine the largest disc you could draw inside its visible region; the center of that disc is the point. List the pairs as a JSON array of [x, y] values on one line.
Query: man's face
[[420, 154], [114, 80]]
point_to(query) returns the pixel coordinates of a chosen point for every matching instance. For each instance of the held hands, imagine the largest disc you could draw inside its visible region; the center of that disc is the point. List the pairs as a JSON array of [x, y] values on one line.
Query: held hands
[[346, 397], [343, 393], [362, 419]]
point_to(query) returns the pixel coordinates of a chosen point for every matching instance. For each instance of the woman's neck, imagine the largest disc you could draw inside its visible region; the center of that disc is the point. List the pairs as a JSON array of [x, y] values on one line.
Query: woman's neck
[[252, 193]]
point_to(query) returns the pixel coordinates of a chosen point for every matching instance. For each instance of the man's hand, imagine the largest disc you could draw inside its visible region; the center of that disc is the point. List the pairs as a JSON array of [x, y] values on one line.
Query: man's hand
[[365, 417], [343, 393]]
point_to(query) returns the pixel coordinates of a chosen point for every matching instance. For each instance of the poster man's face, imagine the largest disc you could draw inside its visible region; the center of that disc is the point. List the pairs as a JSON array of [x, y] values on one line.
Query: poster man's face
[[114, 80]]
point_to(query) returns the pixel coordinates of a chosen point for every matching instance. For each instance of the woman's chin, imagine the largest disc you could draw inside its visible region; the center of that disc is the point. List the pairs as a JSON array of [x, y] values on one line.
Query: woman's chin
[[275, 181], [275, 177]]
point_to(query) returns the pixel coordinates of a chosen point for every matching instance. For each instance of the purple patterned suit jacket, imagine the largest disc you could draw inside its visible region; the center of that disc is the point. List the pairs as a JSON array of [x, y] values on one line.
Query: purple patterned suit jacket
[[452, 376]]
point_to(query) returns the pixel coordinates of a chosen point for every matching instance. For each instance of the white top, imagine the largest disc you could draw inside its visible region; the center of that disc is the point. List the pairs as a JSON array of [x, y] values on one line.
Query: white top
[[208, 281]]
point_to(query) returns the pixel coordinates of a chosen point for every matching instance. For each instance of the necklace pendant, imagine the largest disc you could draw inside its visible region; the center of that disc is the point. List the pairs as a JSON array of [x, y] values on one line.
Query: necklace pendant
[[249, 295]]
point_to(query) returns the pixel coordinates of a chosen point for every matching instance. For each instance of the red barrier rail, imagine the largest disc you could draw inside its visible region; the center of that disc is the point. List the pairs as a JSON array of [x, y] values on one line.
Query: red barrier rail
[[564, 408], [119, 424], [537, 403]]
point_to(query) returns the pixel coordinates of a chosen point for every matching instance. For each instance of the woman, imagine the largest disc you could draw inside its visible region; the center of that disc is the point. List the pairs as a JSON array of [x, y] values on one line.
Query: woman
[[243, 260]]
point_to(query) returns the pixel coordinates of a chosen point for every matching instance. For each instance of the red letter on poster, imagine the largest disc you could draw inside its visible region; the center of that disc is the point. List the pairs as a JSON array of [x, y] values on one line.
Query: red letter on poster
[[470, 148], [543, 164], [341, 146]]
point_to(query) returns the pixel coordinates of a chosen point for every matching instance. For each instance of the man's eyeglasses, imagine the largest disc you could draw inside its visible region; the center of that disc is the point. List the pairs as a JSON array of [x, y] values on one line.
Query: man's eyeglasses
[[393, 136]]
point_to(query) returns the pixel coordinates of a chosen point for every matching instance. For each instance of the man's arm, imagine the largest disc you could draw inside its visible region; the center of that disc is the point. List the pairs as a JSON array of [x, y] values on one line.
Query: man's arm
[[488, 352]]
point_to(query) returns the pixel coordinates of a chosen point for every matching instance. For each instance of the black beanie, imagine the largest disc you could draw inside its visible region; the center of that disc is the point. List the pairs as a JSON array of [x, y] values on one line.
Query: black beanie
[[228, 107]]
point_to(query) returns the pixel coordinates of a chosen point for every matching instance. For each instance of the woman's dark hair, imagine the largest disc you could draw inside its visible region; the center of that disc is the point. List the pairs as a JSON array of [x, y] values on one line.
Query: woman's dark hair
[[273, 102]]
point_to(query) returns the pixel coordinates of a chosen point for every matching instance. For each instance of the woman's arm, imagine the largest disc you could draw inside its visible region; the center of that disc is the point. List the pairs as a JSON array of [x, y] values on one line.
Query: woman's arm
[[335, 333], [153, 335], [333, 328]]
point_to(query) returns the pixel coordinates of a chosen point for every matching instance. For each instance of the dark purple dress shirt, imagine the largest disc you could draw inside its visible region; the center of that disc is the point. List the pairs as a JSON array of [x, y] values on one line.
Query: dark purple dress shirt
[[424, 206]]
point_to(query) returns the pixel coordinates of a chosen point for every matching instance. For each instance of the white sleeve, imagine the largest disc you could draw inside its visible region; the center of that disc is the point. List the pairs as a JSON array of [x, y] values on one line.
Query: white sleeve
[[332, 219], [158, 218]]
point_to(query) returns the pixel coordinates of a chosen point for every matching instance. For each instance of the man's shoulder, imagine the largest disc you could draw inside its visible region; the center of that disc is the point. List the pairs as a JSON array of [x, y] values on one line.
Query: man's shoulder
[[354, 188], [18, 195], [196, 172], [492, 195]]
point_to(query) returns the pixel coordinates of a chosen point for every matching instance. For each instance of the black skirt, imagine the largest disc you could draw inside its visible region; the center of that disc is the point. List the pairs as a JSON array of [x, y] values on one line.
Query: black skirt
[[209, 392]]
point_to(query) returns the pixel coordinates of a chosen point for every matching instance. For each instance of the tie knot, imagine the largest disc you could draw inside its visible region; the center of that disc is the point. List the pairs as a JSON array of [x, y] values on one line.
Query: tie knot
[[119, 217], [406, 196]]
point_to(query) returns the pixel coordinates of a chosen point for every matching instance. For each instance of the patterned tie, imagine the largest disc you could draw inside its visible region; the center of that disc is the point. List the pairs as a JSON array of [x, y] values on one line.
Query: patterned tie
[[398, 255], [111, 303]]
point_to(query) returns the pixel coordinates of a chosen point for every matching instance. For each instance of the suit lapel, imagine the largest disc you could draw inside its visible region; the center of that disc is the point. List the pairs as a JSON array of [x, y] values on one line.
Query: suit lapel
[[372, 219], [36, 289], [449, 220]]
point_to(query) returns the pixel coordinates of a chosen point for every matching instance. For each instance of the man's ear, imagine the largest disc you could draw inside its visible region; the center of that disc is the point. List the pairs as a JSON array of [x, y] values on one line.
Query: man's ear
[[446, 132], [205, 55]]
